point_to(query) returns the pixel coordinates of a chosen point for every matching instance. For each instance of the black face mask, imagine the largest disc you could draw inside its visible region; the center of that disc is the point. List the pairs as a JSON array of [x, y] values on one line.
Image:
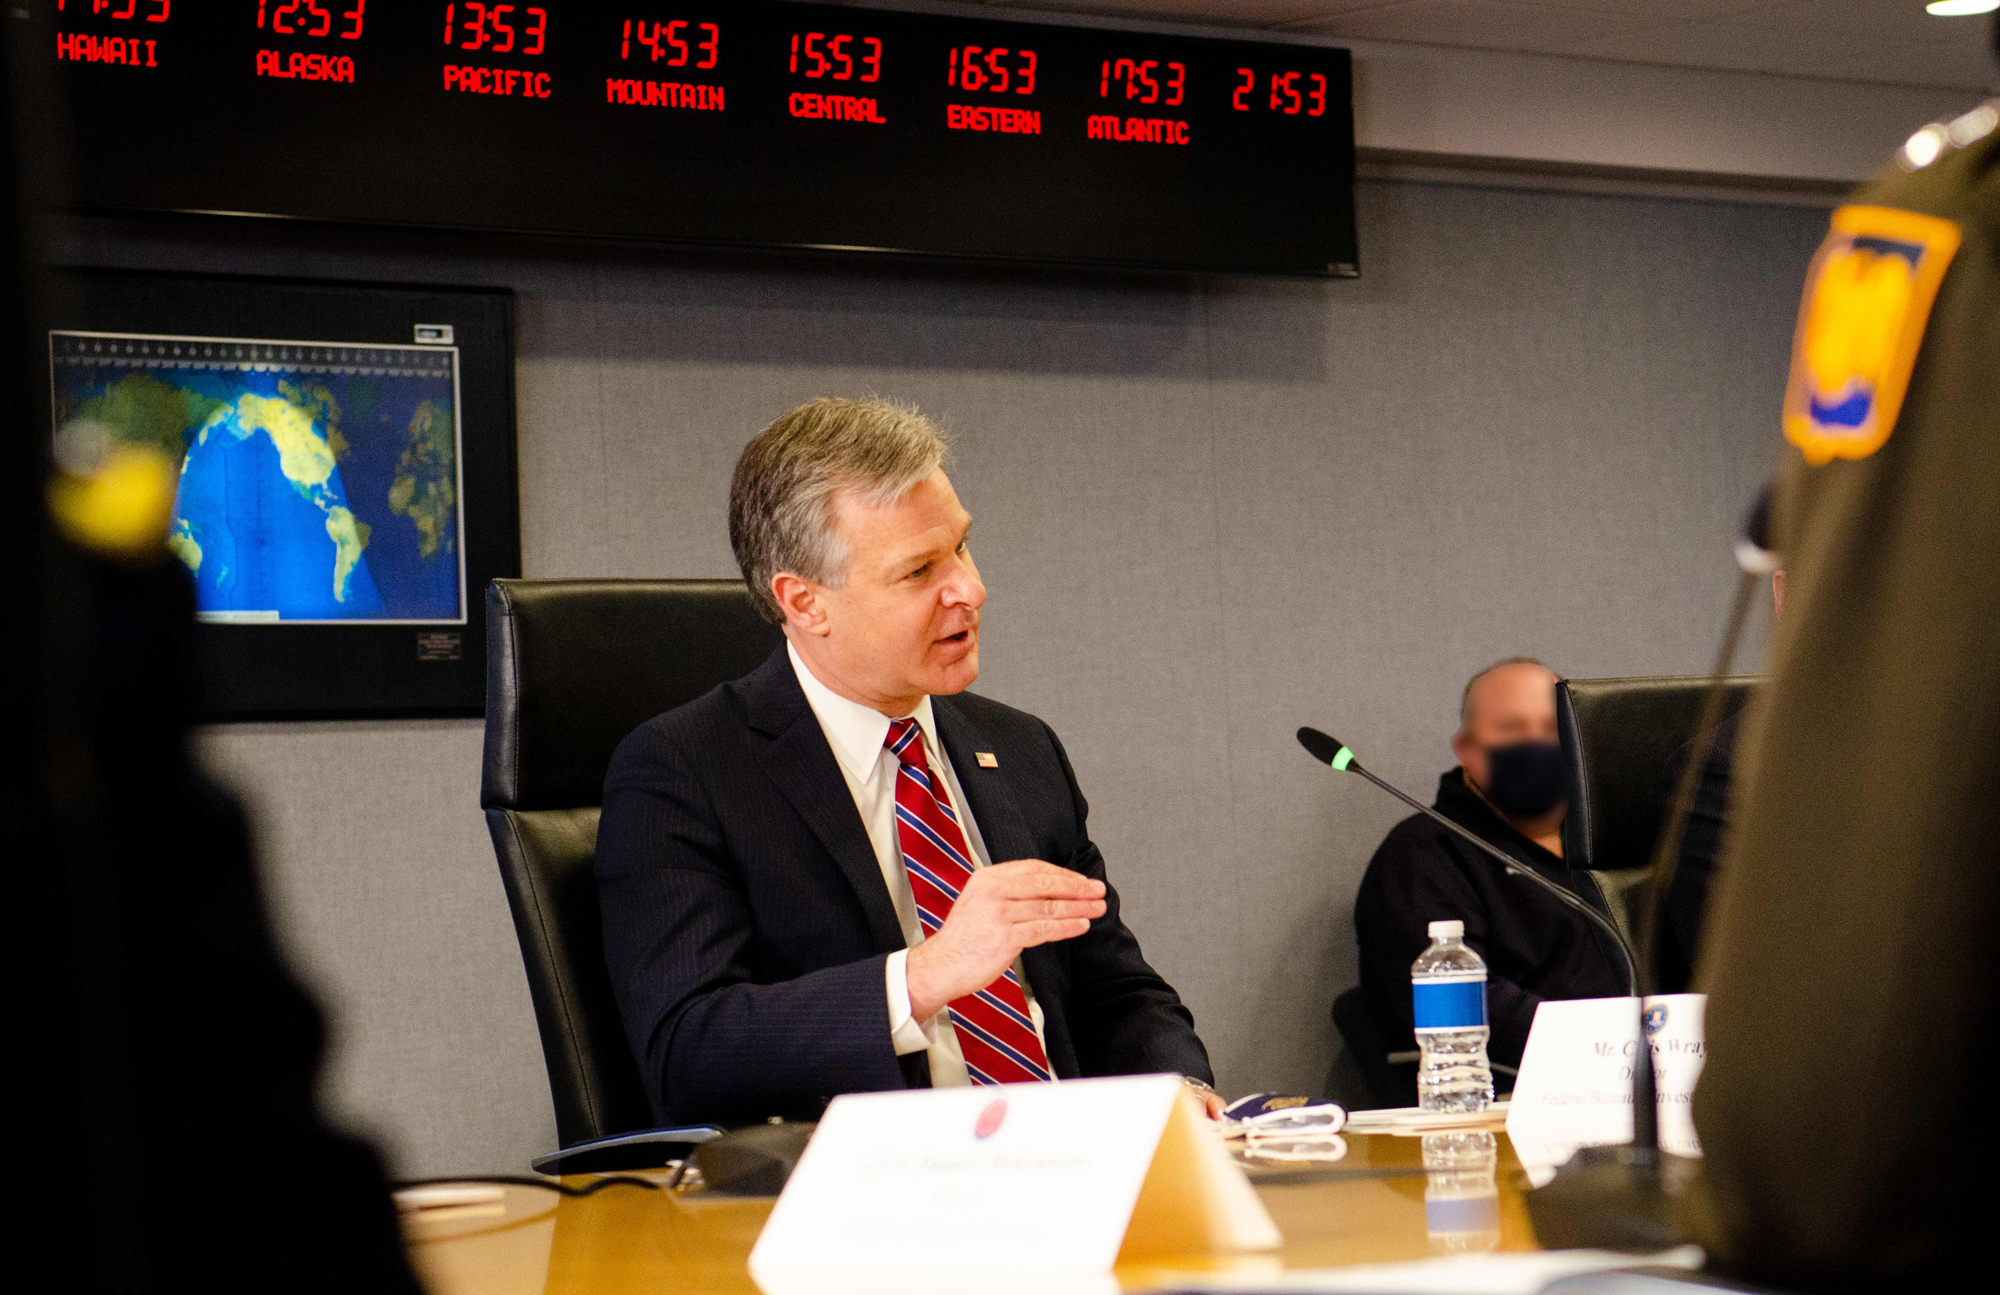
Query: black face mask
[[1525, 779]]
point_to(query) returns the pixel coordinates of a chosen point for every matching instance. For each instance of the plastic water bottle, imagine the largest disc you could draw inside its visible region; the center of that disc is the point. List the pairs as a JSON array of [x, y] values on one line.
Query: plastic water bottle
[[1448, 989]]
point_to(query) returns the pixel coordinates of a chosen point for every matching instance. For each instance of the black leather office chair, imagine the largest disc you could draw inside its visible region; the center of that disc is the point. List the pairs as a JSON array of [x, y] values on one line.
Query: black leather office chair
[[572, 667], [1622, 740]]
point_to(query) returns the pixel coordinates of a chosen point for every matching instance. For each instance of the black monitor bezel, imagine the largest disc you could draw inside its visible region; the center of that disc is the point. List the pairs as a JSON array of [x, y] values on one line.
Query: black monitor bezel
[[290, 671]]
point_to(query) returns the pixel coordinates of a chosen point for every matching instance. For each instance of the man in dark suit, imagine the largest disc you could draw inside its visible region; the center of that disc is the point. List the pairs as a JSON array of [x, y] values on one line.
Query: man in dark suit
[[844, 873]]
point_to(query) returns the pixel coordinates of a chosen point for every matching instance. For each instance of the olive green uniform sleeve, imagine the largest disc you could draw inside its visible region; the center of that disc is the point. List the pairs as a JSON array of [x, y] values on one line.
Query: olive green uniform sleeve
[[1853, 954]]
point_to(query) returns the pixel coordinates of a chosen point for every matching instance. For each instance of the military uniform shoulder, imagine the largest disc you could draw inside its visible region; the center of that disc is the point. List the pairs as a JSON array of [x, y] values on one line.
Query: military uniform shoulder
[[1943, 168], [1871, 288]]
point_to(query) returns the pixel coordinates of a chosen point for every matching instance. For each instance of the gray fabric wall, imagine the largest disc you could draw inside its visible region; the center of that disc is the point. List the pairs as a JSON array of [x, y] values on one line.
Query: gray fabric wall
[[1208, 511]]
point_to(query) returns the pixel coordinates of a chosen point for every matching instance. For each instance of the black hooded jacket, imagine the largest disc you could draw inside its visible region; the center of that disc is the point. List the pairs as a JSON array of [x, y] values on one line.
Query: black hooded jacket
[[1533, 946]]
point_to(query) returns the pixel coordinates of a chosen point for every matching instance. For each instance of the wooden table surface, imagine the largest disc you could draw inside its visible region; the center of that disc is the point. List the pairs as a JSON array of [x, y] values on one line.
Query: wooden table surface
[[1368, 1208]]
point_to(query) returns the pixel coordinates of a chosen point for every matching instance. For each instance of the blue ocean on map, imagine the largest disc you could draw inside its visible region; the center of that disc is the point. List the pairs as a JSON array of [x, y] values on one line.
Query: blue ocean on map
[[317, 483]]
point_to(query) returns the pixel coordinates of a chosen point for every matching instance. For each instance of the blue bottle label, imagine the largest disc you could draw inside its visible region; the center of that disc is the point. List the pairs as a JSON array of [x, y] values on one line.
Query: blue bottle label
[[1454, 1003]]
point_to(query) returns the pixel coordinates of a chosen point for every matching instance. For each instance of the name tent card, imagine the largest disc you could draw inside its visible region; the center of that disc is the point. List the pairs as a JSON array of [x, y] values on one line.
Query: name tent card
[[1050, 1178], [1575, 1085]]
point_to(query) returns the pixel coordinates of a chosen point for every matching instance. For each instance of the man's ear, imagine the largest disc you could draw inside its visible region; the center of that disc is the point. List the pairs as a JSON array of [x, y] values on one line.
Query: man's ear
[[800, 600], [1460, 745]]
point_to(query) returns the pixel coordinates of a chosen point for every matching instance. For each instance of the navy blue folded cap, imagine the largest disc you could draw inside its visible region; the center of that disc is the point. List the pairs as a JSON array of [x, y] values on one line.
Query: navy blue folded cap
[[1244, 1108]]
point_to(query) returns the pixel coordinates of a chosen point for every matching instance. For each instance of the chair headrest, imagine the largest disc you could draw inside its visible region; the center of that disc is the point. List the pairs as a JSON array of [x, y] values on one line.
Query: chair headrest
[[572, 666], [1623, 740]]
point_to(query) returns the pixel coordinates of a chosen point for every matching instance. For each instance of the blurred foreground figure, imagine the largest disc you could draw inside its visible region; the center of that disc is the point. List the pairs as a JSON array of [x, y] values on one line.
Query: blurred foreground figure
[[1851, 954], [184, 1055], [166, 1058]]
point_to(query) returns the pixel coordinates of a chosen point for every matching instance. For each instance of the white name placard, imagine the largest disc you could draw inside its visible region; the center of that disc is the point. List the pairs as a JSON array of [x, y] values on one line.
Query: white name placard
[[1051, 1178], [1575, 1085]]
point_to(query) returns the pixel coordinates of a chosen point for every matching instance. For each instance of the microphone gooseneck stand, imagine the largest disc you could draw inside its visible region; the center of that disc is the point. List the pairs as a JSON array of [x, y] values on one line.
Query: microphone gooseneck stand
[[1514, 866], [1620, 1197], [1619, 1203], [1645, 1101]]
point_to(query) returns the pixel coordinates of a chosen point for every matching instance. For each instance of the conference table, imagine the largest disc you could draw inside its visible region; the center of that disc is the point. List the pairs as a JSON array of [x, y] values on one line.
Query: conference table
[[1367, 1208]]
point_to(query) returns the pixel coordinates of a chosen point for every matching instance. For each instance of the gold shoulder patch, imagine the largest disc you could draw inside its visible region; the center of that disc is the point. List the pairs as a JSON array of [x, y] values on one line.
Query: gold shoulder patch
[[1867, 299]]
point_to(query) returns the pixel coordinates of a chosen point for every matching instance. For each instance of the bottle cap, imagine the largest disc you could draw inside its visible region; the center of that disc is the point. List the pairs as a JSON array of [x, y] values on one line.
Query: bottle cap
[[1447, 930]]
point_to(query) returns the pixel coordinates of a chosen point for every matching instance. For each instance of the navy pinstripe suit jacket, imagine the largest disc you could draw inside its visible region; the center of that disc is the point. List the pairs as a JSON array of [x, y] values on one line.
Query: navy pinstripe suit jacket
[[746, 922]]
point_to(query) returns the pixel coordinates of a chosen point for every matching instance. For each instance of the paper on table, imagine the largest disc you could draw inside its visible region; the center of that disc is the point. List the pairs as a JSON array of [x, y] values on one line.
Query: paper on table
[[1514, 1273], [1575, 1086], [1414, 1119]]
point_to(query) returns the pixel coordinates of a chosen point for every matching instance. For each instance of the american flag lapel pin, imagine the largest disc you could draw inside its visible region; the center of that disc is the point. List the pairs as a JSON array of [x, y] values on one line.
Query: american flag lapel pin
[[987, 760]]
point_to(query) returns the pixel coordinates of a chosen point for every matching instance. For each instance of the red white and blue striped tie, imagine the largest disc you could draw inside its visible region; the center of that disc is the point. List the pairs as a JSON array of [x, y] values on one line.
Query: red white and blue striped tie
[[995, 1033]]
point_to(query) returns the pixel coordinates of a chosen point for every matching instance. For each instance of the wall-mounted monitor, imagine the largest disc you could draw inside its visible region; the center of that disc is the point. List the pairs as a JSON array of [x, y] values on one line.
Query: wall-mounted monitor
[[750, 122], [347, 481]]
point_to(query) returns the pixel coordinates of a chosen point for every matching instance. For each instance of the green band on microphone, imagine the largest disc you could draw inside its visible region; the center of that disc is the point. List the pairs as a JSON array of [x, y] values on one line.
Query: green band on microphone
[[1342, 758]]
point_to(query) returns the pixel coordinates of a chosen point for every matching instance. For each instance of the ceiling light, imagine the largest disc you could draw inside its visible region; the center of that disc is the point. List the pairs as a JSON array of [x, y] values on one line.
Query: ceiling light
[[1923, 148], [1959, 8]]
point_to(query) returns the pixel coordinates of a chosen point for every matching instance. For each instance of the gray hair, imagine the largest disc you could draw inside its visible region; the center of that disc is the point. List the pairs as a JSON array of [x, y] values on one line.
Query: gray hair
[[781, 500]]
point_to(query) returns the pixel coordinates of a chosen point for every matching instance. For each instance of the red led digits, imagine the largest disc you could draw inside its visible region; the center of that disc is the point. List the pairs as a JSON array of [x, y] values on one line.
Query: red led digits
[[315, 19], [1285, 94], [1140, 81], [1144, 81], [816, 54], [311, 18], [155, 10], [995, 71], [678, 43], [130, 51], [475, 27], [1288, 98], [1293, 94], [496, 28]]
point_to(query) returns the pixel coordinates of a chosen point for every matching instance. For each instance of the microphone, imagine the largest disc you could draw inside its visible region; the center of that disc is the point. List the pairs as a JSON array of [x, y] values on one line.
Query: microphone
[[1618, 1198], [1754, 550], [1338, 756], [1624, 1205], [1756, 557]]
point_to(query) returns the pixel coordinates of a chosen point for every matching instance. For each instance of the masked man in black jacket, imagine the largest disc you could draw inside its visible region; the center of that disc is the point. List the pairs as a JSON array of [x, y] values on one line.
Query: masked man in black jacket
[[1508, 788]]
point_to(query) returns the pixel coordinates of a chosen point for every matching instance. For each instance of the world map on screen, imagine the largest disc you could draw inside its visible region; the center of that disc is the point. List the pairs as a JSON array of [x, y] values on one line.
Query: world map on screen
[[319, 481]]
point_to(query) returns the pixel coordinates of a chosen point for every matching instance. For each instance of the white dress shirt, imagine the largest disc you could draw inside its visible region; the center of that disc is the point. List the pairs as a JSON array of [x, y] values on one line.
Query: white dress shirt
[[857, 733]]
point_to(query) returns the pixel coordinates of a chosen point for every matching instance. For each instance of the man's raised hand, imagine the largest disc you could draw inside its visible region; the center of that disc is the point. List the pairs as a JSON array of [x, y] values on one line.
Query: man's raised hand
[[1004, 909]]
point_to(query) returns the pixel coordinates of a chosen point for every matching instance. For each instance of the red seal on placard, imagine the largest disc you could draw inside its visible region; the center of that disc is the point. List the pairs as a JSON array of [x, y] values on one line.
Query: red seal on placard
[[990, 1119]]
